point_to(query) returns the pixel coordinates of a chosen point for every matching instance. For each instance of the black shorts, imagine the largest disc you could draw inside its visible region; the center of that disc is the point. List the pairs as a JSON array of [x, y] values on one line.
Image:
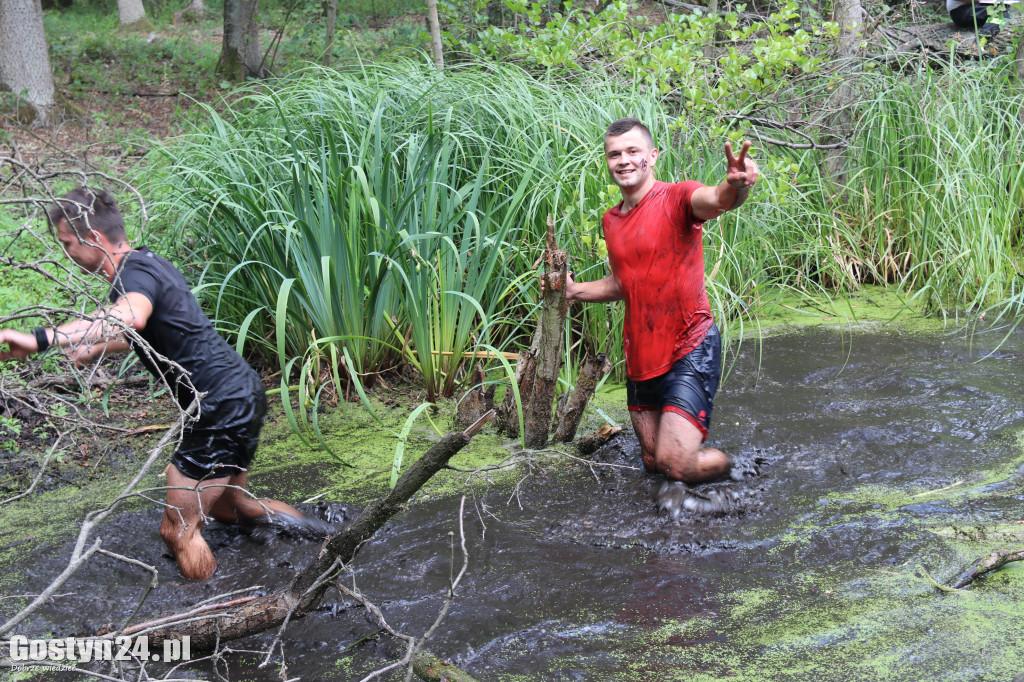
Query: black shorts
[[223, 441], [688, 388], [969, 15]]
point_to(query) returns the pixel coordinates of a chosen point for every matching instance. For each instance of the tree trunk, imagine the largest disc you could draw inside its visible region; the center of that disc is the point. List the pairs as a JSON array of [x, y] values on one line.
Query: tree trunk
[[849, 14], [508, 413], [132, 16], [331, 10], [1018, 64], [554, 306], [24, 58], [240, 56], [309, 585], [195, 11], [594, 367], [435, 34]]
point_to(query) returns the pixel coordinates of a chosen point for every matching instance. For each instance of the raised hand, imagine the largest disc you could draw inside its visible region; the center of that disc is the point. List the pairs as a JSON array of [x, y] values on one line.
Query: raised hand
[[741, 171]]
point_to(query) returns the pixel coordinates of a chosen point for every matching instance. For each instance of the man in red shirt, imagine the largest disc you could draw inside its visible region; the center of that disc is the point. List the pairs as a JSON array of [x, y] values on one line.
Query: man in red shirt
[[672, 347]]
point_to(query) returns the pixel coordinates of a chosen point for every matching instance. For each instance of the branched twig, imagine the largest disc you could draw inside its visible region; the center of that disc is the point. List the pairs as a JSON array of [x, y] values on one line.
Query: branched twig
[[452, 585]]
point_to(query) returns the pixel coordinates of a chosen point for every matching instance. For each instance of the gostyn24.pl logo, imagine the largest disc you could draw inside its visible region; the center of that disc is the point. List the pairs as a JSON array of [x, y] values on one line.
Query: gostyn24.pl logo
[[25, 650]]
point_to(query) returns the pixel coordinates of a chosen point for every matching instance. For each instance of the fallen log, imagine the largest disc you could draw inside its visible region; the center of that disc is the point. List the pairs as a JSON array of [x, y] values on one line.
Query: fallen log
[[309, 585]]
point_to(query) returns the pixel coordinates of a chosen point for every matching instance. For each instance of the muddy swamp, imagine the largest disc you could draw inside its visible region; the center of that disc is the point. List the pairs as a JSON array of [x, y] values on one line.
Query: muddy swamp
[[412, 227]]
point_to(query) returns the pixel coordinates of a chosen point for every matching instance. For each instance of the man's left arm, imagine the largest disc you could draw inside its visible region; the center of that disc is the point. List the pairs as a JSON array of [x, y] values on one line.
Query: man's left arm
[[86, 338], [740, 175]]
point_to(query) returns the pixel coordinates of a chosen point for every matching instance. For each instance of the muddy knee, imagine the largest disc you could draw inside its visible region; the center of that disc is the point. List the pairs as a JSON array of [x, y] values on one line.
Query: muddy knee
[[650, 464]]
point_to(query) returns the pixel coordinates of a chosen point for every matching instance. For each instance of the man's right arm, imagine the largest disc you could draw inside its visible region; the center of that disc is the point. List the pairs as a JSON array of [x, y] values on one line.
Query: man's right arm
[[600, 291]]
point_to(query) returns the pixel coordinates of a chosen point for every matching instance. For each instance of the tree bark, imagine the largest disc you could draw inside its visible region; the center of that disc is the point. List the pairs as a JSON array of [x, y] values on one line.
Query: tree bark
[[331, 10], [195, 11], [508, 413], [594, 367], [24, 57], [1018, 65], [475, 403], [240, 56], [309, 585], [435, 34], [132, 16], [849, 14], [554, 307]]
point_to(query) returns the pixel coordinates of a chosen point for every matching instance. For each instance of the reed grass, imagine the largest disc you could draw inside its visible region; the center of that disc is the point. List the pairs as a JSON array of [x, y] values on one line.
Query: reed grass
[[385, 215]]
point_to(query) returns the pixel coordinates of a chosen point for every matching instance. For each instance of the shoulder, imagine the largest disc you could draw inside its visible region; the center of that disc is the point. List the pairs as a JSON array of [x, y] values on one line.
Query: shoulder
[[684, 189]]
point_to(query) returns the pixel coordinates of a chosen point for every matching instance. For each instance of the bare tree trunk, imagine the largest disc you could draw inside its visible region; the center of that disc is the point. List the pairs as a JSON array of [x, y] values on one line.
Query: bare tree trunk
[[24, 58], [594, 367], [132, 16], [554, 306], [508, 413], [332, 23], [1018, 63], [240, 56], [849, 14], [435, 34], [195, 11], [309, 585]]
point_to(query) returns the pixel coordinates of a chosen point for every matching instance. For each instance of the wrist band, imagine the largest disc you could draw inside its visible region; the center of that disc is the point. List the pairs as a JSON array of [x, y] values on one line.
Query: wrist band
[[42, 340], [741, 192]]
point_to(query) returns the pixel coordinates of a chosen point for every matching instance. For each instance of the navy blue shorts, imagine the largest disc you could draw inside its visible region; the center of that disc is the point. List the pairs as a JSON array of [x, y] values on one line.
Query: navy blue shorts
[[688, 388], [223, 441]]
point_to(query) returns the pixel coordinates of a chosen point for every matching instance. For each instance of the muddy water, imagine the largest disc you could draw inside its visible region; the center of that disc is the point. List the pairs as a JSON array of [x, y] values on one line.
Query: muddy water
[[876, 453]]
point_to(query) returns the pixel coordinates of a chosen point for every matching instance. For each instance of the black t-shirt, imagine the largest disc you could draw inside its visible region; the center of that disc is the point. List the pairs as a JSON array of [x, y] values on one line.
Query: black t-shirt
[[180, 331]]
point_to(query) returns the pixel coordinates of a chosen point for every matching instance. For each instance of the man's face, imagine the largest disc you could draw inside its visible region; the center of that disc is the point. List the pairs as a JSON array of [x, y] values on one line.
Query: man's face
[[87, 252], [630, 158]]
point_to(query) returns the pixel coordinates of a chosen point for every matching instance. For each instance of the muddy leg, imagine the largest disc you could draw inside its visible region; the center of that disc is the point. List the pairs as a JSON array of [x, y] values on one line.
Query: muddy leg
[[234, 506], [678, 454], [645, 425], [183, 521]]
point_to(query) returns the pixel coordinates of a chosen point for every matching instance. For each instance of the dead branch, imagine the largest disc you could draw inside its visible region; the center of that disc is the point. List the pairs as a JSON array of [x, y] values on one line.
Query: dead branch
[[309, 585], [590, 443], [453, 584], [988, 563]]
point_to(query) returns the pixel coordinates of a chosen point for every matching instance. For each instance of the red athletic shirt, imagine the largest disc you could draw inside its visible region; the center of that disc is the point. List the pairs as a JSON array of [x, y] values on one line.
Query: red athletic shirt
[[657, 257]]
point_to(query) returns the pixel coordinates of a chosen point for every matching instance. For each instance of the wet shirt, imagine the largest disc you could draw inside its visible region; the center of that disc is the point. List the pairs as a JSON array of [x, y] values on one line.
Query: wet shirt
[[180, 331], [657, 258]]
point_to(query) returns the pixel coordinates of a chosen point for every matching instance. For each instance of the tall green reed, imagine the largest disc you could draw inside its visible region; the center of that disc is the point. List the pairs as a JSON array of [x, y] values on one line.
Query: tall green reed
[[390, 214]]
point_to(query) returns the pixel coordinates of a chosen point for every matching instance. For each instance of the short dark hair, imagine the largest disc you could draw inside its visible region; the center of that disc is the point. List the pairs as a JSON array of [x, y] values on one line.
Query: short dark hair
[[624, 125], [86, 209]]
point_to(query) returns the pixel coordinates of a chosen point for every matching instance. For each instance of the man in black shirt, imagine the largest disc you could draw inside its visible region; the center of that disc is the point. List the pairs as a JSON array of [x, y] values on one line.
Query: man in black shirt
[[149, 295]]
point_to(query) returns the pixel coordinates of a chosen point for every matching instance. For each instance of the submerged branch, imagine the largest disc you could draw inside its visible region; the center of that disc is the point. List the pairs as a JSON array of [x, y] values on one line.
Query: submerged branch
[[988, 563], [309, 585]]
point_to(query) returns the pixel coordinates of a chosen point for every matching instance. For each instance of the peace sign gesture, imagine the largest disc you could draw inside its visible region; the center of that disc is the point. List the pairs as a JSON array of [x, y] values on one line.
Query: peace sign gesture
[[741, 172]]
